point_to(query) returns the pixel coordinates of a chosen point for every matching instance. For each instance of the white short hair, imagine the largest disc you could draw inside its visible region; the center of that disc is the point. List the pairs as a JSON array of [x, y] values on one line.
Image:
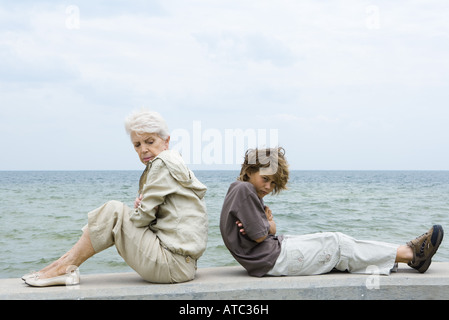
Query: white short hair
[[145, 121]]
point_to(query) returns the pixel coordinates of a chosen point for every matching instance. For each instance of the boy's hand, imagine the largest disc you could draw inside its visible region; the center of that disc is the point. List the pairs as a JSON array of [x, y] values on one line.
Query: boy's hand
[[268, 213], [269, 216], [240, 225]]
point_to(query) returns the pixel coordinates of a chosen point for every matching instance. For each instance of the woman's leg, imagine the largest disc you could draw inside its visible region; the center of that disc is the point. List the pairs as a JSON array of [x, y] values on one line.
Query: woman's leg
[[140, 248], [79, 253], [110, 225]]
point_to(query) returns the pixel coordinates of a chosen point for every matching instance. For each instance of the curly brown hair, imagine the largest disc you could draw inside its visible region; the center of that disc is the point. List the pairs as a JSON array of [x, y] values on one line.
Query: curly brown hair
[[270, 161]]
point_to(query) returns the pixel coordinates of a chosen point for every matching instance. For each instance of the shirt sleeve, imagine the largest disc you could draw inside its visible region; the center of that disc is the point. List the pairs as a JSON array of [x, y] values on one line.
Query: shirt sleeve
[[252, 216], [158, 185]]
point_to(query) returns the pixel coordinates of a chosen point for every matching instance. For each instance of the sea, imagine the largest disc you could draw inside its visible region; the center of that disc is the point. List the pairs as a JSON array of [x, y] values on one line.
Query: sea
[[42, 212]]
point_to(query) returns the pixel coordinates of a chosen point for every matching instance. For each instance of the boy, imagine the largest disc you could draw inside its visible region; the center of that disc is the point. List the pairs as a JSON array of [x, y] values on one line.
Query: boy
[[249, 231]]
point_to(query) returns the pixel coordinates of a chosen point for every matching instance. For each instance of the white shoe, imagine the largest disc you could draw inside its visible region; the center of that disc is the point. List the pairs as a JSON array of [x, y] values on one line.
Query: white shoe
[[72, 277], [28, 275]]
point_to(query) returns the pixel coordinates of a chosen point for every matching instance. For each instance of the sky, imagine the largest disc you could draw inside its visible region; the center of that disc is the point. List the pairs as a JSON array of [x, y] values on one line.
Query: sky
[[340, 85]]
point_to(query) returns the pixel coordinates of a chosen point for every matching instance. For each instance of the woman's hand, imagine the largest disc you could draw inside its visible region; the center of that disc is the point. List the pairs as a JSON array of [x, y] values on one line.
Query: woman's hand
[[138, 201]]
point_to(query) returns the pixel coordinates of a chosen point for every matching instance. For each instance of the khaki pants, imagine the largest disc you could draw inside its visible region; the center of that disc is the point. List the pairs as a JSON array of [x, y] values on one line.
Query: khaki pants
[[139, 247], [319, 253]]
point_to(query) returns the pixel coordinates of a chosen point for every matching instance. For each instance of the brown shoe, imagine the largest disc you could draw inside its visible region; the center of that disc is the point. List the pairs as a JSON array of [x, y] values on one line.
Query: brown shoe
[[424, 247]]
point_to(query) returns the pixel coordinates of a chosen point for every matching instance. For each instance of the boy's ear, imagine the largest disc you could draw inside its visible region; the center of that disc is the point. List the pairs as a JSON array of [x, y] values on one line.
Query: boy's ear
[[244, 175]]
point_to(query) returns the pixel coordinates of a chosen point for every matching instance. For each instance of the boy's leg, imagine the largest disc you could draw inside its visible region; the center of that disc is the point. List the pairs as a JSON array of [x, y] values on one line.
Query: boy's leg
[[424, 247], [417, 253], [404, 254], [319, 253], [308, 254], [360, 256]]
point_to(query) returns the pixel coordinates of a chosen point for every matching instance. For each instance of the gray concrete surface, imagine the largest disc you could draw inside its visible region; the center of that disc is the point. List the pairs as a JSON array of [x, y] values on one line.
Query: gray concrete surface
[[233, 283]]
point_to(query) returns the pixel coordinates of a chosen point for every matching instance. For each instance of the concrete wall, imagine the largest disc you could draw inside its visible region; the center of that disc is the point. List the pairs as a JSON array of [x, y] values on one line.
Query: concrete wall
[[233, 283]]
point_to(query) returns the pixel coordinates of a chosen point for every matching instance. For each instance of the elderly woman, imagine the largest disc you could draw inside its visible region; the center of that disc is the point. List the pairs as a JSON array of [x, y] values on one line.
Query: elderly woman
[[165, 233]]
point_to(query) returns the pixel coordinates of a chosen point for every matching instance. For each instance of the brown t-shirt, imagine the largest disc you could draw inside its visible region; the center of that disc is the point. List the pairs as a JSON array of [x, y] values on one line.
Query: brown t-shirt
[[243, 204]]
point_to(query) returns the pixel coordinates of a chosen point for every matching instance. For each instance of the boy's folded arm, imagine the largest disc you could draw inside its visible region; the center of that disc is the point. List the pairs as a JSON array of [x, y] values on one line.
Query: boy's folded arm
[[261, 239], [251, 219], [258, 236], [271, 230]]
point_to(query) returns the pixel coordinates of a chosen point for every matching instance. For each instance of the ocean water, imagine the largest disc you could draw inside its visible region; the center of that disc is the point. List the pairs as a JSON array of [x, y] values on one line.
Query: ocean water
[[42, 212]]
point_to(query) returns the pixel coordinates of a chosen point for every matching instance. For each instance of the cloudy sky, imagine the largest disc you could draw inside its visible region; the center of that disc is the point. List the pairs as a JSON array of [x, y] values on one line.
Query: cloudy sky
[[345, 85]]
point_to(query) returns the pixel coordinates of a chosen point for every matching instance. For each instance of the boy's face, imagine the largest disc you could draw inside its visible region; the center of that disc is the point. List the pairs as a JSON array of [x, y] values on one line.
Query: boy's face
[[263, 184]]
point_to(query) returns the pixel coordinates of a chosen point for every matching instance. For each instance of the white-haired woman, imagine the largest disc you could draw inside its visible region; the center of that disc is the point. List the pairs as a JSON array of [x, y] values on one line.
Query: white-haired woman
[[165, 233]]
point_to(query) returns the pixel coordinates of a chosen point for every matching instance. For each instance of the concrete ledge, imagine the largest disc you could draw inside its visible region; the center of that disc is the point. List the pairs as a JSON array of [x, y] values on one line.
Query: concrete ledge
[[233, 283]]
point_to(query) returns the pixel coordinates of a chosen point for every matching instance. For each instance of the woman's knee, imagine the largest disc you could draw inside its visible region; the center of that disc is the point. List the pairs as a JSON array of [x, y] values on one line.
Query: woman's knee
[[114, 204]]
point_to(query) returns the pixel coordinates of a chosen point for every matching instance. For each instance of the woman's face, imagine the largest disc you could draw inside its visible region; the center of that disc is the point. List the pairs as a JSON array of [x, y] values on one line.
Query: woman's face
[[148, 145]]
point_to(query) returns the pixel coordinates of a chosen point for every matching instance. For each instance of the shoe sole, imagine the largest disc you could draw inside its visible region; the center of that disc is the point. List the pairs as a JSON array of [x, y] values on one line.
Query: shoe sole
[[436, 239], [50, 282]]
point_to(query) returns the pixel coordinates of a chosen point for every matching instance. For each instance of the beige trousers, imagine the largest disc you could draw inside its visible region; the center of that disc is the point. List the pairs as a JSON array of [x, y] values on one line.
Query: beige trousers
[[139, 247]]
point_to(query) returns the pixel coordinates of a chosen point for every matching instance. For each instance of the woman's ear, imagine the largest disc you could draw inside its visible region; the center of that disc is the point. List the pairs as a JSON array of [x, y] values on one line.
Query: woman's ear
[[167, 142]]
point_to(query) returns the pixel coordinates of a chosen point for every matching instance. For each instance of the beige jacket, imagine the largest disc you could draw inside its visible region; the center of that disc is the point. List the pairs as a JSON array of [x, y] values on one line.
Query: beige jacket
[[173, 205]]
